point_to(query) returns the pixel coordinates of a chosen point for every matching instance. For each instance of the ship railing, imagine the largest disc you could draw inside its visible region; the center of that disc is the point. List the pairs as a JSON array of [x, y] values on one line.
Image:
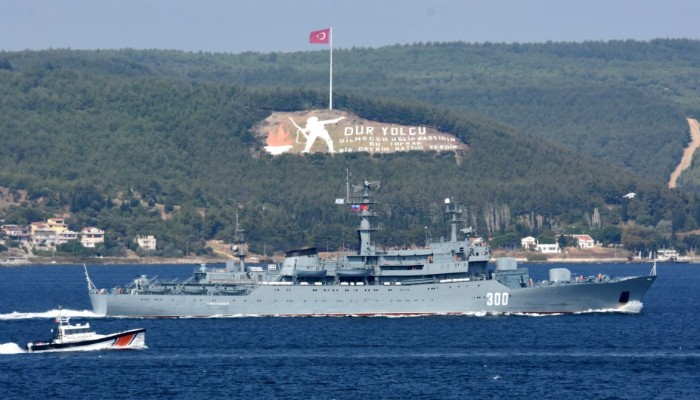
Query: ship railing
[[232, 290], [122, 289], [455, 280], [314, 268], [418, 281], [238, 282], [118, 290], [361, 200]]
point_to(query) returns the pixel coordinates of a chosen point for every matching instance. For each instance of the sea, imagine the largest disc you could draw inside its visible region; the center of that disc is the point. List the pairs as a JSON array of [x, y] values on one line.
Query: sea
[[650, 352]]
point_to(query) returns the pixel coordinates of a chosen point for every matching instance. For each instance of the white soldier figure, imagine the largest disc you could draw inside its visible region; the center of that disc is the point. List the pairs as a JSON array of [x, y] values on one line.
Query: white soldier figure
[[317, 129]]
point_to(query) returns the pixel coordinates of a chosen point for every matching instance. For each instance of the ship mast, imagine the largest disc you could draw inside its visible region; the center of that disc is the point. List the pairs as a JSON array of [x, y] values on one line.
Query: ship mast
[[362, 206], [238, 244], [455, 214], [347, 186]]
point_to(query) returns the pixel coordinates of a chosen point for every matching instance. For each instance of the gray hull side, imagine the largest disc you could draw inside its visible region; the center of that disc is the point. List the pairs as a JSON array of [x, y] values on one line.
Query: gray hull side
[[443, 298]]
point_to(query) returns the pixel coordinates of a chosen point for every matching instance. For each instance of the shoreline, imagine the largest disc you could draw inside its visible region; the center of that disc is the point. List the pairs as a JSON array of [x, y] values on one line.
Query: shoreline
[[194, 261], [113, 261]]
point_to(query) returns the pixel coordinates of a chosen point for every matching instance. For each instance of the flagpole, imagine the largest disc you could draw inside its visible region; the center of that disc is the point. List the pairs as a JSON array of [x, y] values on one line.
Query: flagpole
[[330, 92]]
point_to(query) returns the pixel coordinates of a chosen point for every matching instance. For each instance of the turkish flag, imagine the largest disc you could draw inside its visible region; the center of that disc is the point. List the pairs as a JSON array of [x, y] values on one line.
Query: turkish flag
[[321, 36]]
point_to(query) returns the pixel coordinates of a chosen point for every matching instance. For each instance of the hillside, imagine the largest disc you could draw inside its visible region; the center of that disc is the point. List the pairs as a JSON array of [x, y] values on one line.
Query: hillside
[[115, 140], [625, 102]]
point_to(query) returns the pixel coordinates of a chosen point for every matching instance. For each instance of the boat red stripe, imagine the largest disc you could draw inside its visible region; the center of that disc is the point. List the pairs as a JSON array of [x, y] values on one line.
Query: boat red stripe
[[124, 341]]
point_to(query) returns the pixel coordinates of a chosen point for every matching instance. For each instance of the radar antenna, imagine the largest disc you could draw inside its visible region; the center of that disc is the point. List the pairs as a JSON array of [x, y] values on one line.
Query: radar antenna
[[372, 184], [366, 185]]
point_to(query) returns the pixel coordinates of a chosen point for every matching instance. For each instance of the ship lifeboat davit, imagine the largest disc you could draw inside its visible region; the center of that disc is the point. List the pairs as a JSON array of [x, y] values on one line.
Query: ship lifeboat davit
[[353, 272], [310, 273]]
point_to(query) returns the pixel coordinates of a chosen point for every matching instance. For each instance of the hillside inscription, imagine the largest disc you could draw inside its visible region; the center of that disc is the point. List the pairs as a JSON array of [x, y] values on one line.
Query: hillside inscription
[[329, 131]]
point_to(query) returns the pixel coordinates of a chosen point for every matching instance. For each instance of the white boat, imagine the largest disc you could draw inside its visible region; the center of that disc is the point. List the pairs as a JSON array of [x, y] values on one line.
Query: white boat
[[668, 256], [80, 337]]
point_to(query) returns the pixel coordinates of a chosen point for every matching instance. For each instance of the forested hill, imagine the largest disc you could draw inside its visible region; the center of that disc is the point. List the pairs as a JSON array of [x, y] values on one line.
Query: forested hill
[[160, 143], [625, 102]]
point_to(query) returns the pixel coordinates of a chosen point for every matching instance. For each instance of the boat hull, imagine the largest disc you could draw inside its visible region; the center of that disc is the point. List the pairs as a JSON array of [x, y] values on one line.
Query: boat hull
[[480, 296], [131, 339]]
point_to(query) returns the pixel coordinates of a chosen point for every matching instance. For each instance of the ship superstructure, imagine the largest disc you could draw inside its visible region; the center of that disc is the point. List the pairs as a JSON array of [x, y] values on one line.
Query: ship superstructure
[[449, 276]]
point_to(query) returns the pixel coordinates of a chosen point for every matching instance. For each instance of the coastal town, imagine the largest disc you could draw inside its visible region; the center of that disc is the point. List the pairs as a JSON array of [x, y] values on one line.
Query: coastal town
[[22, 243], [39, 241]]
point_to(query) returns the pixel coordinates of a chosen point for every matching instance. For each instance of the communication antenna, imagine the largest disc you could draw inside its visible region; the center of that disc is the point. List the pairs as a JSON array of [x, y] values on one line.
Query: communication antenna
[[347, 185]]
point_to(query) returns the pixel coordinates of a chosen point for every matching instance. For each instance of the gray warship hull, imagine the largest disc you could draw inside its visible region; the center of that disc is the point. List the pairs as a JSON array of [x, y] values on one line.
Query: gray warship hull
[[443, 277], [467, 297]]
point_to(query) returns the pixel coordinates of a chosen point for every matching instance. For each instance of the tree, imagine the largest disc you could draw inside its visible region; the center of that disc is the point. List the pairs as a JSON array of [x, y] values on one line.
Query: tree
[[509, 240], [638, 238], [608, 235], [546, 239], [75, 248]]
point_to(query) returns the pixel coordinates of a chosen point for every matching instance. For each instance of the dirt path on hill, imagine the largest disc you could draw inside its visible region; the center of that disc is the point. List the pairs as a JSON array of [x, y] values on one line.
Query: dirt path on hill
[[220, 248], [687, 158]]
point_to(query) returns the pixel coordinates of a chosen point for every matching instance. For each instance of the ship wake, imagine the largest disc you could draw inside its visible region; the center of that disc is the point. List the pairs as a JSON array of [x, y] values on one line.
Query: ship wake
[[16, 315], [11, 348], [633, 307]]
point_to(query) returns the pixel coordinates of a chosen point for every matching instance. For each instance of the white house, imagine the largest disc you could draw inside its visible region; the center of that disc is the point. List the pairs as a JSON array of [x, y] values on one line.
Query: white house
[[65, 236], [585, 241], [528, 243], [146, 242], [43, 236], [90, 237], [15, 232], [548, 248]]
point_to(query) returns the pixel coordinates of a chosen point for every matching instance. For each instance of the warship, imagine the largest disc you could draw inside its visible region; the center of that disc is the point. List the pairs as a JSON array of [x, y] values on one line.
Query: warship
[[445, 277]]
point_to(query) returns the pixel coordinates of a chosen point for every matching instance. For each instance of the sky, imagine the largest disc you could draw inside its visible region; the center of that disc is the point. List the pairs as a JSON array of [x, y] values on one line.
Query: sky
[[235, 26]]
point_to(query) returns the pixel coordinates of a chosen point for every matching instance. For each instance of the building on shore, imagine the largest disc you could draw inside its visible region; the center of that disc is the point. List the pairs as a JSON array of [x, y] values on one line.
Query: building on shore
[[91, 237], [147, 243]]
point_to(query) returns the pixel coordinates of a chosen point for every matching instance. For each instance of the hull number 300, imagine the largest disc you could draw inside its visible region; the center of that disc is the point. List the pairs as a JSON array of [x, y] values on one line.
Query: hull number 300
[[497, 299]]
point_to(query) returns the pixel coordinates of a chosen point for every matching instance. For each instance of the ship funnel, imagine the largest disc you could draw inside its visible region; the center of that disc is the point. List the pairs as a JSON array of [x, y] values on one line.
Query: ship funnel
[[506, 264], [559, 275]]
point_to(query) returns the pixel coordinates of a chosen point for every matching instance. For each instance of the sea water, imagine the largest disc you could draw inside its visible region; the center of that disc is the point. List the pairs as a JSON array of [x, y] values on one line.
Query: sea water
[[652, 352]]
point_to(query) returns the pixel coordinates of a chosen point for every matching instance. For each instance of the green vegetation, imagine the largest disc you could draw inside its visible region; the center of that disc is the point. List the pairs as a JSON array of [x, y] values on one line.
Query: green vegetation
[[160, 142], [621, 101]]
